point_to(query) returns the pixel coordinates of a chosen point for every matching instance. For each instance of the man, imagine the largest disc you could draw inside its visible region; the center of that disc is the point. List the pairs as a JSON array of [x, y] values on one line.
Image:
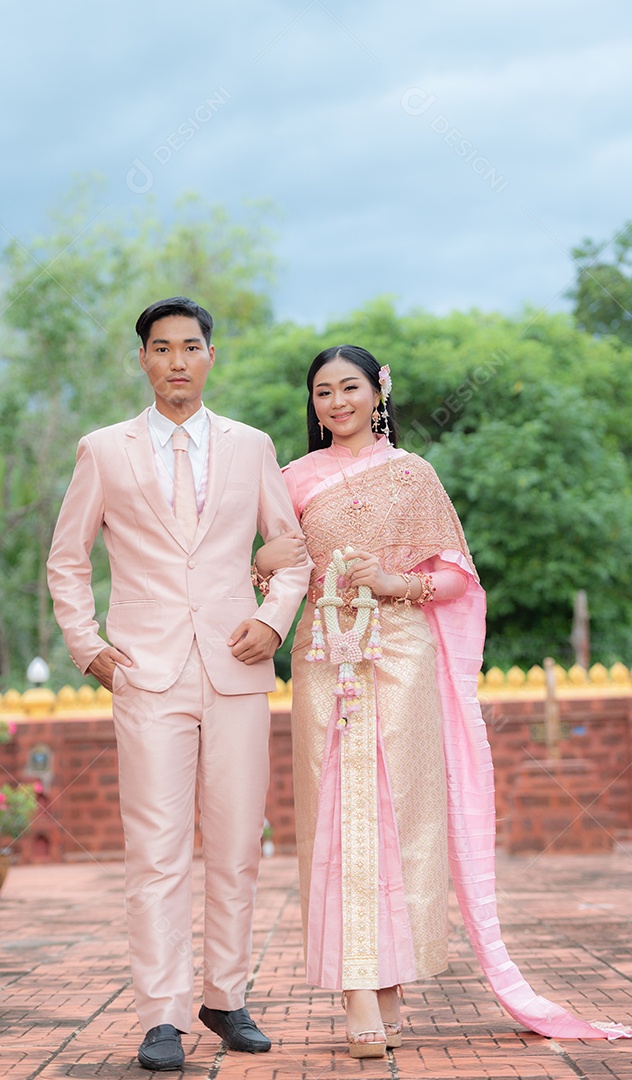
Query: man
[[180, 494]]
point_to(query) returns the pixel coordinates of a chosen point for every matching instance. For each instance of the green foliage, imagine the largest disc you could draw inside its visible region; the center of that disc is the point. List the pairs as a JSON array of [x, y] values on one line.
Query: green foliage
[[547, 508], [263, 384], [527, 420], [7, 731], [18, 807], [602, 293], [527, 423], [70, 364]]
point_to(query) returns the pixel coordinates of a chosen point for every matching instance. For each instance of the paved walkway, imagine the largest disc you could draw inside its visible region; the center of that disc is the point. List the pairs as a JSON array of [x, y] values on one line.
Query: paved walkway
[[67, 1009]]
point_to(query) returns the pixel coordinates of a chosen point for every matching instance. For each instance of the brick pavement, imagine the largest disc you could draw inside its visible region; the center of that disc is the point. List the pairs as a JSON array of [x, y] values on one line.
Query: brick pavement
[[67, 1009]]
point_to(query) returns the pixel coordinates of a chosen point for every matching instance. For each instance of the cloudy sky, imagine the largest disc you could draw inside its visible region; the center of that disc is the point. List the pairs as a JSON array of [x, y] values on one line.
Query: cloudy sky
[[445, 152]]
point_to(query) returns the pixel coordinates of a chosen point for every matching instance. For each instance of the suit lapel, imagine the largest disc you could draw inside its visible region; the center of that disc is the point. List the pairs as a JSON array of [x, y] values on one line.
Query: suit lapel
[[141, 457], [221, 450]]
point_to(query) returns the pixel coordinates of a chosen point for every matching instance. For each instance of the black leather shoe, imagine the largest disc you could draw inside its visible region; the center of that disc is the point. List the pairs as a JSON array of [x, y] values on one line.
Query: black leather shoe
[[236, 1028], [161, 1049]]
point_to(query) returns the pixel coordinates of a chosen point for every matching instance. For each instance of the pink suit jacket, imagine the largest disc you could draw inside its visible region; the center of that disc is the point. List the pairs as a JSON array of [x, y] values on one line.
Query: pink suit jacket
[[163, 591]]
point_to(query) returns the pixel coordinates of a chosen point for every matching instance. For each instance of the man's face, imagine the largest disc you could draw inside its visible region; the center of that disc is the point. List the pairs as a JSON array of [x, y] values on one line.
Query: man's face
[[177, 360]]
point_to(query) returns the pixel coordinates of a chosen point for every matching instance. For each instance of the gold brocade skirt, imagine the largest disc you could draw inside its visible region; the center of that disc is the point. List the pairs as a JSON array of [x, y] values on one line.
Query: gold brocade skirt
[[404, 701]]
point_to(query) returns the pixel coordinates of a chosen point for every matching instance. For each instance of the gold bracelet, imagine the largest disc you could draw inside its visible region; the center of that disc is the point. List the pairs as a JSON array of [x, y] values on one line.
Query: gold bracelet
[[428, 590], [259, 582], [408, 580]]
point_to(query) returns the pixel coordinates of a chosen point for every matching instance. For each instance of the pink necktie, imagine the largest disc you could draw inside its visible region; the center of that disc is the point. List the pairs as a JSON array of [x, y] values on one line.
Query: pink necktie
[[184, 500]]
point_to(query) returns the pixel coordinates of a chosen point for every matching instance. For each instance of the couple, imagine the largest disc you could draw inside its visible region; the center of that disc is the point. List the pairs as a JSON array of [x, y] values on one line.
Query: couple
[[385, 666]]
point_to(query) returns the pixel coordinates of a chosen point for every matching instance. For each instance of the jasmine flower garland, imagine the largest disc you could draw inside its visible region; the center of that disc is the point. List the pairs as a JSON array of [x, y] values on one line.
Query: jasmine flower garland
[[344, 648]]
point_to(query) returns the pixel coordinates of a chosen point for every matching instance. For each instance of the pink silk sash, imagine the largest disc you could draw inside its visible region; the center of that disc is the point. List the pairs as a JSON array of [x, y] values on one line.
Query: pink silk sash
[[458, 627]]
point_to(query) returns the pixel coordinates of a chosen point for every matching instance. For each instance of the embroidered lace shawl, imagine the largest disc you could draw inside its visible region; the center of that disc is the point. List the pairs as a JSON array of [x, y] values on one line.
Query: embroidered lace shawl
[[405, 517]]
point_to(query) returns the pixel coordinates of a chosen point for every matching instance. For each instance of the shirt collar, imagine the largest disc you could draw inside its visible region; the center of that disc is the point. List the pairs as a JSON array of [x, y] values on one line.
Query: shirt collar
[[366, 451], [164, 428]]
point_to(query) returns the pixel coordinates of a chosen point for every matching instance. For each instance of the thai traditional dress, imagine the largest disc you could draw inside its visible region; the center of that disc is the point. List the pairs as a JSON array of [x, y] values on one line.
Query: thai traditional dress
[[391, 802]]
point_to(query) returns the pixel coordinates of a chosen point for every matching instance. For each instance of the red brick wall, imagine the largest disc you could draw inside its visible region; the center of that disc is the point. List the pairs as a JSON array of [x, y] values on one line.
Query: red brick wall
[[80, 815], [280, 803], [79, 807], [594, 729]]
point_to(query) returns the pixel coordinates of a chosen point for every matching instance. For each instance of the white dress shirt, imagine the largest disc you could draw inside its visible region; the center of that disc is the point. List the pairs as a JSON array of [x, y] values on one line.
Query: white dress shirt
[[161, 429]]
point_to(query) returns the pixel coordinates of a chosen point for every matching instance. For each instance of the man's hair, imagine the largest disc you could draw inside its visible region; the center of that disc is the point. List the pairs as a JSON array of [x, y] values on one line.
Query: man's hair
[[176, 305]]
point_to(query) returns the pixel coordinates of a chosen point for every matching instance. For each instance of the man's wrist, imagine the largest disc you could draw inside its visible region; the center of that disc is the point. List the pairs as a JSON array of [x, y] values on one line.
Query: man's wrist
[[272, 628]]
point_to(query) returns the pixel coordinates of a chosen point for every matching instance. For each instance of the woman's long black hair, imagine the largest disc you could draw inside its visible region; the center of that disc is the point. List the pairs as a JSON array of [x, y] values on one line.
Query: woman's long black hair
[[370, 367]]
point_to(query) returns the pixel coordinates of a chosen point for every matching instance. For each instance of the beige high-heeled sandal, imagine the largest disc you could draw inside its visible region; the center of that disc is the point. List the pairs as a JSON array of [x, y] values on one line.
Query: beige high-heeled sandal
[[357, 1049], [393, 1031]]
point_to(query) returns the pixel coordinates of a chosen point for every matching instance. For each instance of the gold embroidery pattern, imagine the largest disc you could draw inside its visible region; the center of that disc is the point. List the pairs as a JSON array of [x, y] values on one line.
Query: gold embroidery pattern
[[410, 720], [359, 825], [420, 523]]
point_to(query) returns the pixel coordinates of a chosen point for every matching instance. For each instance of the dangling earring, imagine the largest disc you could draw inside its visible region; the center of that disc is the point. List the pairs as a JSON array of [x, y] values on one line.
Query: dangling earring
[[376, 419], [386, 384], [322, 431]]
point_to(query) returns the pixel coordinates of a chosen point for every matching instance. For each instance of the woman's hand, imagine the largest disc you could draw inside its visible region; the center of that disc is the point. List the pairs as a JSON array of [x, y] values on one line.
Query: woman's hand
[[288, 549], [449, 582], [366, 570]]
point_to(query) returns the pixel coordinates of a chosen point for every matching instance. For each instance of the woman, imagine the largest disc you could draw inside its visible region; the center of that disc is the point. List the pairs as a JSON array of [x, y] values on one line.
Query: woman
[[382, 712]]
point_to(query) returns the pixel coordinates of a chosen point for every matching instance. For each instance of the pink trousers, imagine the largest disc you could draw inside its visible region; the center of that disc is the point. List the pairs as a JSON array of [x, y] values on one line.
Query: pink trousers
[[165, 742]]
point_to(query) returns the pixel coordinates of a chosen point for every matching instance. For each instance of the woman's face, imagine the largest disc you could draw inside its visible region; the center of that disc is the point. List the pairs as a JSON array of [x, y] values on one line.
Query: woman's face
[[344, 399]]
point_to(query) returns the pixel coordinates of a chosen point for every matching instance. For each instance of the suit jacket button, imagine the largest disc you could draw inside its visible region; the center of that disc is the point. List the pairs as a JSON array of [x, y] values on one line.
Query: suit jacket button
[[192, 565], [195, 607]]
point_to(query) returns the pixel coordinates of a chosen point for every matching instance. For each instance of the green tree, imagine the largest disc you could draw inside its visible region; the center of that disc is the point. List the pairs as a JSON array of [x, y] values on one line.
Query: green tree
[[547, 508], [70, 364], [602, 293], [527, 420]]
